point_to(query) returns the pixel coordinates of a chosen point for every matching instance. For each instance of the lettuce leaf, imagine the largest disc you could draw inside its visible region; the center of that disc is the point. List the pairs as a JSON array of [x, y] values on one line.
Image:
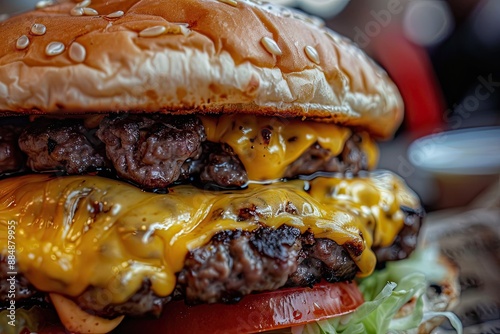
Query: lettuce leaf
[[385, 292]]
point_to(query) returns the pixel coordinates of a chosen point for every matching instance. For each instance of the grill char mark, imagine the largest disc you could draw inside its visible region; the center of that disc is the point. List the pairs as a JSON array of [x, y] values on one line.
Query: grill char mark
[[236, 263]]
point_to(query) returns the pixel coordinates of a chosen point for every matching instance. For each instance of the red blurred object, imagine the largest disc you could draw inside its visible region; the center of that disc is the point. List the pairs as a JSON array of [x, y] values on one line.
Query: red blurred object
[[411, 69]]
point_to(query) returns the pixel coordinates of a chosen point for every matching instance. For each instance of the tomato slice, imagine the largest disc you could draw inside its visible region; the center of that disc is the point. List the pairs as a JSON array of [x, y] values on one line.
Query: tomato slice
[[253, 313]]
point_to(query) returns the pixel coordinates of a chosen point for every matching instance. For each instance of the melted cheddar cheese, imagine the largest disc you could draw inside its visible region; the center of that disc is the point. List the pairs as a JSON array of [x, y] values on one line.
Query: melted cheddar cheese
[[77, 232], [266, 146]]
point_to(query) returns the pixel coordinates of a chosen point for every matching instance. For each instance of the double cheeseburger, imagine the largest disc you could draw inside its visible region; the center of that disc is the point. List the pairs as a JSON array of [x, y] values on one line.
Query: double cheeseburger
[[207, 164]]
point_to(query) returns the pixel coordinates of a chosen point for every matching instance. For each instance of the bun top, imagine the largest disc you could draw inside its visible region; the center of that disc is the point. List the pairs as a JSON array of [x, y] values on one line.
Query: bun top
[[185, 56]]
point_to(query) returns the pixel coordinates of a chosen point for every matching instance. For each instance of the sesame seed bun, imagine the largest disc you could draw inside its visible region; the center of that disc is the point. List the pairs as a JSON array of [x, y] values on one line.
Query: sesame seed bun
[[185, 56]]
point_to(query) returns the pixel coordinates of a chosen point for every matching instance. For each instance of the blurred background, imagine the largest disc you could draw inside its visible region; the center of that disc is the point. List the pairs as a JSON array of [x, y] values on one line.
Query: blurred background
[[444, 55], [445, 58]]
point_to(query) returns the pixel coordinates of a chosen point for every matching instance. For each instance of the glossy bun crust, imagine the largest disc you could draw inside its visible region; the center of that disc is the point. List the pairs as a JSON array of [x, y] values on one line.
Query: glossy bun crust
[[210, 57]]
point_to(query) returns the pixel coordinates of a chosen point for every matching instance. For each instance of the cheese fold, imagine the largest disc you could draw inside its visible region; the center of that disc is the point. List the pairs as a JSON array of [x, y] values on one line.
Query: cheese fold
[[266, 146]]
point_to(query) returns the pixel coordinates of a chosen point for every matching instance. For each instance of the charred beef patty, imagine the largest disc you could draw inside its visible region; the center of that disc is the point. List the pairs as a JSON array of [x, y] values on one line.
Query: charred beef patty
[[406, 240], [352, 159], [151, 151], [61, 145], [11, 157], [236, 263], [155, 151]]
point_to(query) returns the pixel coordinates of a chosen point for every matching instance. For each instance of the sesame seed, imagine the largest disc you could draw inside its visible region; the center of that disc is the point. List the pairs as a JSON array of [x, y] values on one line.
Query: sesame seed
[[312, 54], [44, 3], [271, 46], [22, 42], [334, 37], [77, 52], [153, 31], [286, 12], [38, 29], [299, 16], [90, 11], [316, 21], [54, 48], [184, 28], [308, 19], [115, 15], [84, 3], [76, 11], [233, 3]]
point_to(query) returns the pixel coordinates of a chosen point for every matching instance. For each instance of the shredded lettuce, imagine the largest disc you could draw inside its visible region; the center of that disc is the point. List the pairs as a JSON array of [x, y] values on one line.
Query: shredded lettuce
[[385, 292]]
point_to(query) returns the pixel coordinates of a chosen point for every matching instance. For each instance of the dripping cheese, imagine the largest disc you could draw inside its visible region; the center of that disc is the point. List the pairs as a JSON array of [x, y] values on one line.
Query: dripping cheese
[[76, 232]]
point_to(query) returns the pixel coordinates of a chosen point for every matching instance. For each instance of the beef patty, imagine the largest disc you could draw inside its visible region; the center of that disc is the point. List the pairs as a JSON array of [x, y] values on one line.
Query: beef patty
[[11, 157], [151, 151], [236, 263]]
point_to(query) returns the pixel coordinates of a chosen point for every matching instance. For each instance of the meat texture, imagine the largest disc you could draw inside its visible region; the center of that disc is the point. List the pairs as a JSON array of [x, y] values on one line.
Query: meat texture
[[235, 263], [150, 150], [406, 241], [316, 158], [221, 166], [11, 157], [61, 145]]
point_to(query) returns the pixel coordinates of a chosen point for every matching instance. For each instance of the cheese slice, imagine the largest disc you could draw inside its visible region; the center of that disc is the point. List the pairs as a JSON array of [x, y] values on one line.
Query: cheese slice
[[266, 146], [76, 232]]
